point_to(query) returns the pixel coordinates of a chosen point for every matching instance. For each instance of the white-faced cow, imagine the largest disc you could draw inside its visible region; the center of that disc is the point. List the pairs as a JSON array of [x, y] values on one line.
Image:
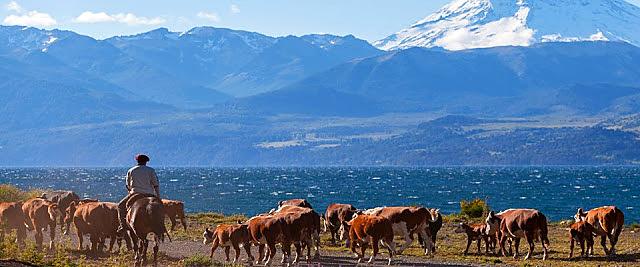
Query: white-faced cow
[[516, 224], [607, 223], [364, 230], [335, 215], [406, 221]]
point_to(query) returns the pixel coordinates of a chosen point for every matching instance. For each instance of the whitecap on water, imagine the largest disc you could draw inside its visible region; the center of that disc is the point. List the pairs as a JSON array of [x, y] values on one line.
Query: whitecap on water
[[375, 178], [173, 180]]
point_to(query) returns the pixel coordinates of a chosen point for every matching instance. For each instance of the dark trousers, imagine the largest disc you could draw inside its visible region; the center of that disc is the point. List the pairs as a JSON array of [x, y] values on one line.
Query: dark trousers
[[126, 202]]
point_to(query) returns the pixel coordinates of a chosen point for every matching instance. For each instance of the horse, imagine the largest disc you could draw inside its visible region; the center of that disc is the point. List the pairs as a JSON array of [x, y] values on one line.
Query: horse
[[145, 215]]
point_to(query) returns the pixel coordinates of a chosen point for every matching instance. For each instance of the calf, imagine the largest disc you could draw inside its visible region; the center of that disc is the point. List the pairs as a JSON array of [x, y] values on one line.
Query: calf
[[295, 202], [516, 224], [607, 223], [581, 232], [406, 221], [175, 209], [267, 230], [335, 215], [63, 199], [12, 217], [41, 213], [366, 229], [476, 232], [227, 236]]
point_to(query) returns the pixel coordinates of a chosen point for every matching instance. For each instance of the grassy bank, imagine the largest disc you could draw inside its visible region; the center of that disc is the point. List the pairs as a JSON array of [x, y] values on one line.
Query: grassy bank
[[190, 251]]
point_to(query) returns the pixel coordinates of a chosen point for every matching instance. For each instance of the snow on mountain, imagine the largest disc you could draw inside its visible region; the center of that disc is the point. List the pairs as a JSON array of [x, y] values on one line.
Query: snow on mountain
[[465, 24]]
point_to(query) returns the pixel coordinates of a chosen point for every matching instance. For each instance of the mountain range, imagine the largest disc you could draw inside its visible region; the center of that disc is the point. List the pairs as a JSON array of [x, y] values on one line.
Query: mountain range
[[461, 79]]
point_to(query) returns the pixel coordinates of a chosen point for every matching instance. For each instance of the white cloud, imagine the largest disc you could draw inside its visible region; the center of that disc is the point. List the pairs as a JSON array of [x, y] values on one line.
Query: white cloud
[[91, 17], [235, 9], [126, 18], [208, 16], [31, 18], [14, 6]]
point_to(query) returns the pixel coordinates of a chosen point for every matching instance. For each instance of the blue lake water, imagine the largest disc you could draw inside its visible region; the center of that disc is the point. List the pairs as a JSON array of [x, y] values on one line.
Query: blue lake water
[[556, 191]]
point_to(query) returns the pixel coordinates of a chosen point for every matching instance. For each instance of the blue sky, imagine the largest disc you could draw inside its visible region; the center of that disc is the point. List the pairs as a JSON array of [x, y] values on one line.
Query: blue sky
[[367, 19]]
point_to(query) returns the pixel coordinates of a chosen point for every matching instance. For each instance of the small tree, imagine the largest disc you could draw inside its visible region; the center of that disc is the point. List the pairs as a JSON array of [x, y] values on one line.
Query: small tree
[[476, 208]]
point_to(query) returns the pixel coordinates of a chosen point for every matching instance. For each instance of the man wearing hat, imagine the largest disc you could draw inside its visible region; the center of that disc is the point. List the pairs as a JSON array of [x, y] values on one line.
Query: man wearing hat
[[142, 181]]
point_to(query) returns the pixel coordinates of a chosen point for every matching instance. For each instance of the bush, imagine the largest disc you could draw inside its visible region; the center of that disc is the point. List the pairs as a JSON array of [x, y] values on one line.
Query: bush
[[476, 208], [10, 193]]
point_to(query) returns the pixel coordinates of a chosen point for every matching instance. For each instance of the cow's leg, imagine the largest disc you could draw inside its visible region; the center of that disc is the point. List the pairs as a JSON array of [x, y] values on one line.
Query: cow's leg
[[427, 242], [390, 247], [363, 250], [486, 244], [298, 247], [517, 247], [272, 253], [503, 241], [468, 245], [582, 247], [38, 236], [407, 241], [603, 242], [236, 248], [112, 242], [590, 242], [376, 247], [172, 218], [479, 243], [612, 241], [156, 247], [530, 238], [226, 252], [260, 253], [214, 246], [352, 246], [21, 235], [93, 237], [247, 249], [571, 246], [52, 234]]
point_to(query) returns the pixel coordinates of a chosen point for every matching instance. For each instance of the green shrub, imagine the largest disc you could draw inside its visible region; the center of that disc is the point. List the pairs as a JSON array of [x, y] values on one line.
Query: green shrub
[[197, 261], [10, 193], [476, 208]]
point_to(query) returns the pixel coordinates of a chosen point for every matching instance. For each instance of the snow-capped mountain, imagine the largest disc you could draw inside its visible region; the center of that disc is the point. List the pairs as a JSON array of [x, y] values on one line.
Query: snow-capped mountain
[[465, 24]]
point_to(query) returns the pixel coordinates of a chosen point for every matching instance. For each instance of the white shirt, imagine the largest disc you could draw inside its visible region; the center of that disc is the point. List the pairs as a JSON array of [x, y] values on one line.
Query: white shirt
[[143, 179]]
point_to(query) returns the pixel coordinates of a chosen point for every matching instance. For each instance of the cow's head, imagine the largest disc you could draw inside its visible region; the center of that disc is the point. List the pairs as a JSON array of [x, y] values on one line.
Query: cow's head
[[435, 214], [207, 236], [460, 228], [493, 222], [580, 215]]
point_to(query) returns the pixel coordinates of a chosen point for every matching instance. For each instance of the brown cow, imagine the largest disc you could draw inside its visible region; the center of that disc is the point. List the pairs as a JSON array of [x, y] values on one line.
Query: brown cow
[[581, 232], [175, 209], [92, 218], [607, 222], [63, 199], [406, 221], [41, 213], [302, 228], [476, 232], [366, 229], [97, 219], [267, 230], [227, 236], [335, 215], [516, 224], [295, 202], [12, 217]]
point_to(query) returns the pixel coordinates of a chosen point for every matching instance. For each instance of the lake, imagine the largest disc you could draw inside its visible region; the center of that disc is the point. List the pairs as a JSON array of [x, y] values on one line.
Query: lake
[[556, 191]]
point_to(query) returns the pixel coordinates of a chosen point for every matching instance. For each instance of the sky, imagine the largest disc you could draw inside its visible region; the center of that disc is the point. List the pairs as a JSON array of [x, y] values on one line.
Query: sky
[[367, 19]]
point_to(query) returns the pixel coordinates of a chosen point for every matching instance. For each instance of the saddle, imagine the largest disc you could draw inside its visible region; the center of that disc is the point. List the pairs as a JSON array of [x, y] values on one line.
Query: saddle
[[137, 196]]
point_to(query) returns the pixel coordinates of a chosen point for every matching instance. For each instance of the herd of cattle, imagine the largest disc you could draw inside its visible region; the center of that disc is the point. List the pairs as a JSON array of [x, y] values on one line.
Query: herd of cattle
[[295, 222]]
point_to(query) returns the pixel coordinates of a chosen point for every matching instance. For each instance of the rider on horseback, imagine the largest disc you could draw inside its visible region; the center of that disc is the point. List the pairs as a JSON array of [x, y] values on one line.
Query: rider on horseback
[[142, 181]]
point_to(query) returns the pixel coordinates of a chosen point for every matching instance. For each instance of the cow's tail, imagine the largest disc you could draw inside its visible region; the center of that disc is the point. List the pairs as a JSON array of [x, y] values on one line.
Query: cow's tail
[[544, 230], [618, 224]]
